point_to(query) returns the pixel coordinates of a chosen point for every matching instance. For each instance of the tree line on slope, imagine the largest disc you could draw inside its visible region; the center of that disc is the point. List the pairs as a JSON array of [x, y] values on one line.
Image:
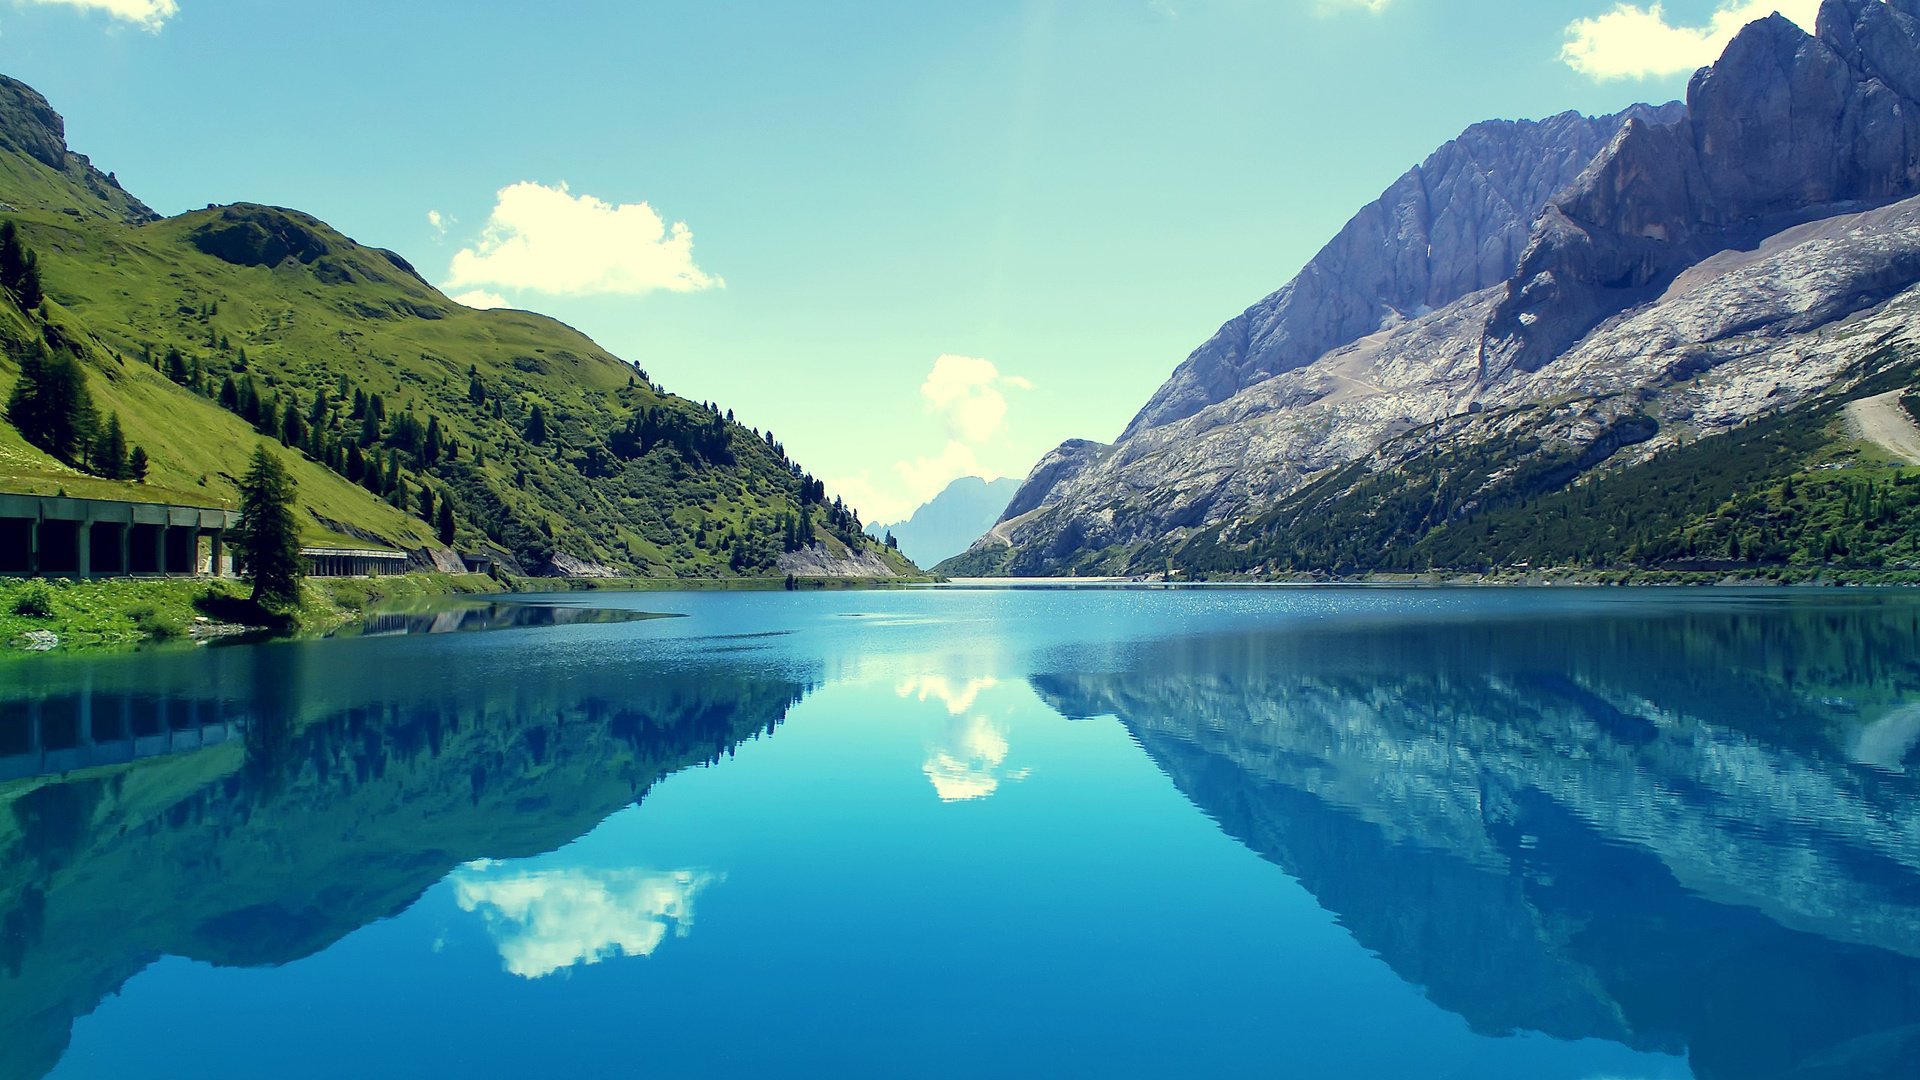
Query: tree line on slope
[[50, 404]]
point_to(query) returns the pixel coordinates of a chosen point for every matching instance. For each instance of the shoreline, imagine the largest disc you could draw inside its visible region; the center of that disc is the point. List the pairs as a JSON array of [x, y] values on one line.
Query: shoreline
[[67, 617], [112, 615]]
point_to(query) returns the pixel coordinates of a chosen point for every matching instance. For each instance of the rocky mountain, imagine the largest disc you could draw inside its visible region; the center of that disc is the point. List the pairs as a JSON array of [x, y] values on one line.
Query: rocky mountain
[[211, 332], [951, 520], [1701, 266], [1452, 225]]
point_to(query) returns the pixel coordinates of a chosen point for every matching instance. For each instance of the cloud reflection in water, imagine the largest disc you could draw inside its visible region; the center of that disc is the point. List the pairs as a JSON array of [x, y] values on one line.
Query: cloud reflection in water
[[968, 763], [545, 921]]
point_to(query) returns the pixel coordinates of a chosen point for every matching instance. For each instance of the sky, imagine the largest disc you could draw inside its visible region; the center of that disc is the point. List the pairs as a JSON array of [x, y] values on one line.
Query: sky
[[915, 240]]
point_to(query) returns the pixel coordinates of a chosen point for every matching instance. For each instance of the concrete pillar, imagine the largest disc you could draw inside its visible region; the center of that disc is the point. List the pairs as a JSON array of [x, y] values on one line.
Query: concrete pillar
[[160, 549], [126, 550], [83, 539], [218, 544], [33, 548]]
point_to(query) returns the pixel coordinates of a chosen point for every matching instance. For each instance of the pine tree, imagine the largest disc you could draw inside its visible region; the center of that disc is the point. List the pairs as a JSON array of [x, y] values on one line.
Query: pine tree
[[19, 269], [137, 465], [430, 452], [50, 404], [445, 524], [267, 539], [109, 453], [426, 503], [537, 426], [292, 428]]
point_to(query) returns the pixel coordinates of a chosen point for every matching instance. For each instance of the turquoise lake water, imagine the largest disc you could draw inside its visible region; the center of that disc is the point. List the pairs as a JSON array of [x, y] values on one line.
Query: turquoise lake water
[[1369, 832]]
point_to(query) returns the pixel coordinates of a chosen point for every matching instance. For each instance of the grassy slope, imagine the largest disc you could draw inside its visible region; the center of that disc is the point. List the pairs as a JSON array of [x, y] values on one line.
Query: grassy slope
[[115, 614], [129, 292]]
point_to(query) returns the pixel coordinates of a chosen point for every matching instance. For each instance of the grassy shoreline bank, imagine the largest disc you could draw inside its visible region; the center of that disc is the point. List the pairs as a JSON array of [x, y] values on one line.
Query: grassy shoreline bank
[[122, 613]]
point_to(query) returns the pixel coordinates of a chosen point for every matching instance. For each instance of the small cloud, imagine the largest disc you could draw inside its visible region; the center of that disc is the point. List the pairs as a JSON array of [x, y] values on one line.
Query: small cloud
[[481, 299], [439, 221], [966, 392], [1636, 42], [549, 240], [149, 15], [544, 921], [1374, 6]]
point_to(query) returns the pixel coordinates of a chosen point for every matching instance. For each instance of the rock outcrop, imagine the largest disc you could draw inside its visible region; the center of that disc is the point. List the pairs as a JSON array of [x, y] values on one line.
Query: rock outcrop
[[29, 125]]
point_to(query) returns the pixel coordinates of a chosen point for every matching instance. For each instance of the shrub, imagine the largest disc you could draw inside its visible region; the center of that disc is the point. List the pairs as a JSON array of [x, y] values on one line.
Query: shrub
[[35, 602]]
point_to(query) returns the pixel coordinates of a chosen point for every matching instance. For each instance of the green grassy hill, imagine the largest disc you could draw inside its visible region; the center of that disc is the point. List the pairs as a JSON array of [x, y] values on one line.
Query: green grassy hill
[[202, 332]]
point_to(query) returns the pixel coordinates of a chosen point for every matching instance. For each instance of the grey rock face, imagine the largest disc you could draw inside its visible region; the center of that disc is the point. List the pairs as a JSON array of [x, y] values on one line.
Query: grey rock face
[[1455, 224], [1786, 127], [1452, 225]]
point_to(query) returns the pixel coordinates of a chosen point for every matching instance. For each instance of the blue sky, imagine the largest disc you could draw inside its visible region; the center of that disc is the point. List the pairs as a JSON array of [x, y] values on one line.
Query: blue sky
[[915, 240]]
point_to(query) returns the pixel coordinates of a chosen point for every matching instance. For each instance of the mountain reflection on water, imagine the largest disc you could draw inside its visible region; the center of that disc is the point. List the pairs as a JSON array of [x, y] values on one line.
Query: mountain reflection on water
[[342, 801], [1663, 833], [1685, 828], [466, 617]]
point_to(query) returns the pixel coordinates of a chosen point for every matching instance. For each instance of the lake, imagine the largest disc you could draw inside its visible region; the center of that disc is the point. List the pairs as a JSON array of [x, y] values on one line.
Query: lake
[[1308, 832]]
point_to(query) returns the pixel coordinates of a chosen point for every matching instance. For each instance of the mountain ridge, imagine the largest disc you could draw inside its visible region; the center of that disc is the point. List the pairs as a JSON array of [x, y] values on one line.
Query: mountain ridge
[[221, 327], [1674, 286], [944, 525]]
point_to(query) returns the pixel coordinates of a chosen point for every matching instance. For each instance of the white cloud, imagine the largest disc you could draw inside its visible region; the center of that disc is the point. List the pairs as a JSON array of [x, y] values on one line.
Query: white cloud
[[149, 15], [967, 394], [544, 921], [1636, 42], [439, 221], [1375, 6], [549, 240], [482, 299]]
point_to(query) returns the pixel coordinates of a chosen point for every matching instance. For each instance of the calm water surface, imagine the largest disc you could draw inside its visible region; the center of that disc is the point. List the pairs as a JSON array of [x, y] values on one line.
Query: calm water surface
[[1316, 833]]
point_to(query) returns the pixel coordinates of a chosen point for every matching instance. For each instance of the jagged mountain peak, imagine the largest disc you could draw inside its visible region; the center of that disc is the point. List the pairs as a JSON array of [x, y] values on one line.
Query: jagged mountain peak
[[1452, 225], [30, 126]]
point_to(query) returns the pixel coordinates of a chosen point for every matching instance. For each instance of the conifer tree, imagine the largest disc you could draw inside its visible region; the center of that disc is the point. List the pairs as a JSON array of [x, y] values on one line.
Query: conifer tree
[[109, 453], [267, 539], [50, 404]]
